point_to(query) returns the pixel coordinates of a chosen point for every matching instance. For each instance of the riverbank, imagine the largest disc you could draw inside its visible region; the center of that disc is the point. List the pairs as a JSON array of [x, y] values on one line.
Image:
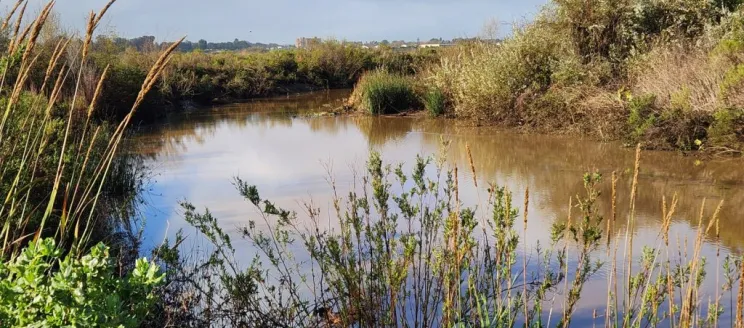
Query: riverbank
[[201, 79], [667, 75]]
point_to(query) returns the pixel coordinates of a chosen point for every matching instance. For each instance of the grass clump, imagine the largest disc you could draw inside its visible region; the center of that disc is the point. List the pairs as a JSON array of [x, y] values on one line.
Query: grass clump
[[435, 102], [641, 117], [380, 92]]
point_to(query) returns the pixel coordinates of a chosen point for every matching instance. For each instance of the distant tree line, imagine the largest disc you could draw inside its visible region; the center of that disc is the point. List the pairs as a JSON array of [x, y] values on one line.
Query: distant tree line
[[234, 45], [147, 43]]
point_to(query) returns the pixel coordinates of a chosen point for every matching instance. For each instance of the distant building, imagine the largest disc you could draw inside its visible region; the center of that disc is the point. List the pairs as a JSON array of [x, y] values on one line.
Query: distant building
[[430, 45]]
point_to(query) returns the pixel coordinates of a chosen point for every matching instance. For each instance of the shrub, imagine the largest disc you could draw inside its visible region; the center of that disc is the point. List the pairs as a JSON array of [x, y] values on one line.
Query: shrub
[[460, 266], [575, 55], [380, 92], [486, 80], [434, 101], [80, 292], [333, 64], [642, 116], [726, 127]]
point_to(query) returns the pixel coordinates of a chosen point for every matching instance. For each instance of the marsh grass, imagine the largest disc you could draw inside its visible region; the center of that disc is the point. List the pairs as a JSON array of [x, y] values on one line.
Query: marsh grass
[[59, 165], [381, 92], [407, 251], [435, 102]]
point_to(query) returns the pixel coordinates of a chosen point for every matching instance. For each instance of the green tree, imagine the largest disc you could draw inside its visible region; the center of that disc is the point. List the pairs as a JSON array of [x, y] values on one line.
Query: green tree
[[202, 44]]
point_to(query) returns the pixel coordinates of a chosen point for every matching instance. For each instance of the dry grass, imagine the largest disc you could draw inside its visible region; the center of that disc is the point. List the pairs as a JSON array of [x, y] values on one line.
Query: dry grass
[[79, 162], [685, 79]]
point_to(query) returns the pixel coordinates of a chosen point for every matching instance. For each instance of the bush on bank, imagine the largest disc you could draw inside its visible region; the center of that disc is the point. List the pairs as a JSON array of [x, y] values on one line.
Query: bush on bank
[[581, 69]]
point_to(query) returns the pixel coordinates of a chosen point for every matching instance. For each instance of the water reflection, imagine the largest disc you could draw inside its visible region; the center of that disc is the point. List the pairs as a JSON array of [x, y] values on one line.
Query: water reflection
[[287, 154], [270, 133]]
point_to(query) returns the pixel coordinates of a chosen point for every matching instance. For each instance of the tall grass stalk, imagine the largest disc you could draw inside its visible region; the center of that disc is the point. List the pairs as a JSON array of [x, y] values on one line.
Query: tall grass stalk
[[45, 137]]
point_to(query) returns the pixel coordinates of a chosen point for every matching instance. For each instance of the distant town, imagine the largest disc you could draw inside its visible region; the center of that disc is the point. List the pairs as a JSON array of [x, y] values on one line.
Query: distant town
[[145, 43], [305, 43]]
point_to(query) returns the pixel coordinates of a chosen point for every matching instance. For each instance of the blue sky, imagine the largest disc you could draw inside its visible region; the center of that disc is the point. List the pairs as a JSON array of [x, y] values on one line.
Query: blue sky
[[282, 21]]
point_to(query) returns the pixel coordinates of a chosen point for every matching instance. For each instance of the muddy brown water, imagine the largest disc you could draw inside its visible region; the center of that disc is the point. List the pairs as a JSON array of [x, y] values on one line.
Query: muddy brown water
[[287, 146]]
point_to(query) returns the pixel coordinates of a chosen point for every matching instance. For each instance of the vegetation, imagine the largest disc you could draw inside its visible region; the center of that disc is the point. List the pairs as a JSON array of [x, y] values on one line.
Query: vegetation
[[204, 78], [435, 102], [63, 187], [406, 251], [582, 67], [382, 92], [40, 289]]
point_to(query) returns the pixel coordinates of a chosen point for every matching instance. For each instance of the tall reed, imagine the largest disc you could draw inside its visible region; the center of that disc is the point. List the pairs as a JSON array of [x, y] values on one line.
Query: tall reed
[[55, 160]]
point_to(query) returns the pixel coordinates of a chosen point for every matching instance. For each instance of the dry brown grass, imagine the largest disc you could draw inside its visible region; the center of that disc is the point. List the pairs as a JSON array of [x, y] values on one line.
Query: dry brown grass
[[688, 80]]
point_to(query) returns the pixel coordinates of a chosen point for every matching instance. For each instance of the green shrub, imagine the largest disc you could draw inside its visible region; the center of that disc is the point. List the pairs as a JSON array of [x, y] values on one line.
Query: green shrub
[[641, 117], [333, 64], [723, 130], [486, 80], [434, 101], [79, 292], [121, 89], [380, 92]]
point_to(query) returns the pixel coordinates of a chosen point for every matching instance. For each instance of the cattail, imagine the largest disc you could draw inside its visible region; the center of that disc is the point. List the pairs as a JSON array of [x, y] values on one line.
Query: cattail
[[613, 213], [472, 166], [457, 187], [565, 248], [97, 93], [718, 228], [740, 299], [20, 81], [12, 12], [16, 29], [90, 28], [688, 306], [714, 218], [93, 20], [56, 90], [155, 72], [36, 29], [113, 144], [667, 219], [18, 39], [59, 50], [631, 221], [570, 207], [524, 260], [718, 266], [526, 205]]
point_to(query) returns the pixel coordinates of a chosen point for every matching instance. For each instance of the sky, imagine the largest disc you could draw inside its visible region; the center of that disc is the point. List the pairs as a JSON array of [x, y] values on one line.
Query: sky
[[282, 21]]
